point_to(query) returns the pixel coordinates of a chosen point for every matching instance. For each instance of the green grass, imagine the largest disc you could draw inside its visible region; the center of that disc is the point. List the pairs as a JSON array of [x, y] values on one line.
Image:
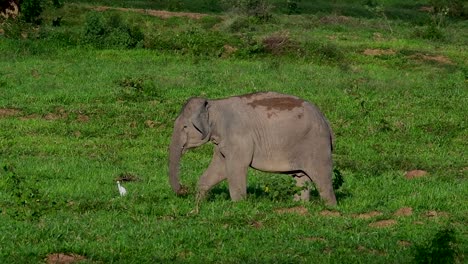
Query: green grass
[[73, 118]]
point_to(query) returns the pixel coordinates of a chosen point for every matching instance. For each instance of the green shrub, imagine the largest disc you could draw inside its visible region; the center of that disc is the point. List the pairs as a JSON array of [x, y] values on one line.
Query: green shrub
[[25, 201], [240, 24], [194, 41], [110, 31], [261, 10], [454, 8], [139, 89], [14, 28], [430, 31], [327, 51], [292, 7], [441, 249], [276, 188], [31, 11]]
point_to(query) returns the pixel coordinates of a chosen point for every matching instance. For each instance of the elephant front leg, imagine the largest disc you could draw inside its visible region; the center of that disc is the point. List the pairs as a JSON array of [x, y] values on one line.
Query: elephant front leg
[[212, 176], [237, 164]]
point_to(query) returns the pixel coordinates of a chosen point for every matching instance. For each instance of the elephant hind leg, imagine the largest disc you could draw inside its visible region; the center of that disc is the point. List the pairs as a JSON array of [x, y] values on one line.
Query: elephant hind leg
[[301, 181], [321, 175]]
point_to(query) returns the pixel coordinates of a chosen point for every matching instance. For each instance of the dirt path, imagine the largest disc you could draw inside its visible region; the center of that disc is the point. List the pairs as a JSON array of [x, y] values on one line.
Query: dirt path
[[151, 12]]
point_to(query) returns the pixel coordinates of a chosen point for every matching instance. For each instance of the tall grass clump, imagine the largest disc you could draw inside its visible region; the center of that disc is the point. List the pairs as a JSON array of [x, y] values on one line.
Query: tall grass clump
[[193, 41], [110, 31], [261, 10]]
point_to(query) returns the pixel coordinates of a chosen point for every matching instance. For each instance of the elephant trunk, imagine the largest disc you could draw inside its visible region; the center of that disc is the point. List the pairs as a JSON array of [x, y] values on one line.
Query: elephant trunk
[[175, 153]]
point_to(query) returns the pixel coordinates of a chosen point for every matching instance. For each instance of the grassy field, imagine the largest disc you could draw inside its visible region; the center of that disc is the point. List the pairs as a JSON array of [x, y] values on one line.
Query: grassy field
[[79, 110]]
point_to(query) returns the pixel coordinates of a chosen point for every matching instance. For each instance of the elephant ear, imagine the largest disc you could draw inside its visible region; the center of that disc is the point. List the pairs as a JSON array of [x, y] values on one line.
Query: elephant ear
[[200, 119]]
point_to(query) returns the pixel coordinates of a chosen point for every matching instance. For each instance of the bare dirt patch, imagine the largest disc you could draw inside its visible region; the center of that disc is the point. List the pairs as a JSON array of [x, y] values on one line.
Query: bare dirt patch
[[7, 112], [151, 12], [441, 59], [127, 177], [435, 214], [428, 9], [293, 210], [256, 224], [29, 117], [383, 223], [59, 113], [315, 239], [82, 118], [378, 52], [367, 215], [371, 251], [54, 116], [151, 123], [415, 174], [404, 211], [404, 243], [62, 258], [334, 19], [330, 213]]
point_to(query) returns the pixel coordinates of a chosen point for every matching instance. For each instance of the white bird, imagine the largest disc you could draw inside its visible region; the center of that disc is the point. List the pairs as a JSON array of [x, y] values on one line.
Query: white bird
[[122, 190]]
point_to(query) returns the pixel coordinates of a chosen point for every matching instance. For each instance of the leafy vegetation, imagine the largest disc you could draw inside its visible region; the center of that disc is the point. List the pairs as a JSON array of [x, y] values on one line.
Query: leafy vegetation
[[89, 97]]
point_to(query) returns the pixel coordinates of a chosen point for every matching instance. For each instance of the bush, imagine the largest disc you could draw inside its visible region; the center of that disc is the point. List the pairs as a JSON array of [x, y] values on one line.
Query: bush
[[292, 7], [324, 51], [240, 24], [455, 8], [280, 44], [441, 249], [31, 11], [194, 41], [110, 31], [431, 32], [25, 202], [261, 10]]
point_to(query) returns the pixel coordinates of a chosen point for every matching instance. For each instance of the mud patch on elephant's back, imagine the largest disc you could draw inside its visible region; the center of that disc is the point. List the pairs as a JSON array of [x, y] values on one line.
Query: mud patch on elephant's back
[[277, 103]]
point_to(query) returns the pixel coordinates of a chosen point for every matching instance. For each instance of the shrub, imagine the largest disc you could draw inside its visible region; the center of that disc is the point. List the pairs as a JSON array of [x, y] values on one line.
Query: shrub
[[276, 188], [431, 32], [194, 41], [455, 8], [292, 7], [240, 24], [441, 249], [31, 11], [138, 88], [280, 44], [25, 201], [261, 10], [110, 31], [324, 51]]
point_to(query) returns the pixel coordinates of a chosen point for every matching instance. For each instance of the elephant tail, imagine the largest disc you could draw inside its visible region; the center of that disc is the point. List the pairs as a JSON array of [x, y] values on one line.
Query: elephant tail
[[332, 135]]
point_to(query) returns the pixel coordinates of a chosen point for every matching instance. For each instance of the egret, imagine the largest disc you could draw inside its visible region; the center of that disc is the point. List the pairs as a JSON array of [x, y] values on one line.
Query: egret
[[122, 190]]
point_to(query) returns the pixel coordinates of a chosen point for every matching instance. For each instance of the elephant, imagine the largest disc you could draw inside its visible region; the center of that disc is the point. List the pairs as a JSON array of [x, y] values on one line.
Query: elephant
[[267, 131]]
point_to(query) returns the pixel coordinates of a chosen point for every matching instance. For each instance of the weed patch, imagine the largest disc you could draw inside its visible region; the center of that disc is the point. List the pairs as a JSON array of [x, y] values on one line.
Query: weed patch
[[110, 31], [442, 248], [25, 201]]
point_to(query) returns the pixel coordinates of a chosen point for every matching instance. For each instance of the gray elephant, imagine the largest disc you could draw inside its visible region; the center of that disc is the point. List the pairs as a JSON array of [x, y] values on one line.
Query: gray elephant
[[267, 131]]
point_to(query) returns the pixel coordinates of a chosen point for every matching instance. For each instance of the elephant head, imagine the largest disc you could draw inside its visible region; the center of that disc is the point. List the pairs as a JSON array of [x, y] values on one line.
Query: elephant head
[[191, 129]]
